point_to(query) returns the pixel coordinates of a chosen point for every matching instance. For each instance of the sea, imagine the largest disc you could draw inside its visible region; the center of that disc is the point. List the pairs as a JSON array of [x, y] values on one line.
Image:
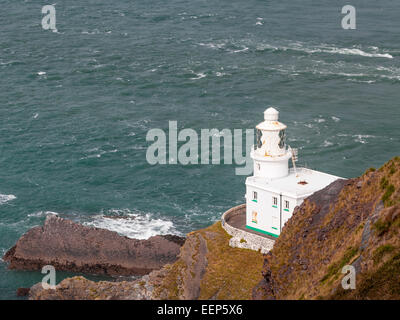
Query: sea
[[78, 99]]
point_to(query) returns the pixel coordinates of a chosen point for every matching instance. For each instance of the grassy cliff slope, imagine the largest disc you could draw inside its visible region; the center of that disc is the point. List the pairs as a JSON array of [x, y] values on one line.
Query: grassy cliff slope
[[351, 222]]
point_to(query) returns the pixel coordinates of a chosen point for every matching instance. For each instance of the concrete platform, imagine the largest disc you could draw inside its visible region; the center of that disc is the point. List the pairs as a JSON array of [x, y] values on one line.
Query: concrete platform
[[234, 223], [239, 221]]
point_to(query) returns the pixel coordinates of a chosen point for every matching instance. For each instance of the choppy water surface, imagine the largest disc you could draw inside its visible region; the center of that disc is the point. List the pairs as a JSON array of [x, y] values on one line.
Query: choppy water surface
[[75, 105]]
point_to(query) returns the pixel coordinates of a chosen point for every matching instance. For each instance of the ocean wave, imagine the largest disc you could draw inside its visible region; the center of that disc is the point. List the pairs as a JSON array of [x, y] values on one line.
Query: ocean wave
[[324, 48], [362, 138], [2, 253], [327, 144], [353, 51], [97, 154], [359, 138], [198, 76], [131, 224], [42, 214], [6, 198], [355, 72], [241, 45]]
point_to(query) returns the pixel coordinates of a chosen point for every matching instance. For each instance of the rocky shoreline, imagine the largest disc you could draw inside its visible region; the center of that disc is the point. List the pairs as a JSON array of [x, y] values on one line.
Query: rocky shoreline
[[69, 246]]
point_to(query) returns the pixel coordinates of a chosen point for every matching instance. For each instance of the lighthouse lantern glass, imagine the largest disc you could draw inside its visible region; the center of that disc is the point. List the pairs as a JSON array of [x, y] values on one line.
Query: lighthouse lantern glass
[[259, 134], [282, 139]]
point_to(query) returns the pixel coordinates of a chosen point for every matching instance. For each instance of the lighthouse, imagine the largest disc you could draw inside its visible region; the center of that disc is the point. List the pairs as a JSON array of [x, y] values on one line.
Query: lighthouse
[[275, 189]]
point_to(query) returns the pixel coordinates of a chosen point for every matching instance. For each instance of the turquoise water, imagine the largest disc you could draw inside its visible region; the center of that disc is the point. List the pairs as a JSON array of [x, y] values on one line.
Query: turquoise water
[[75, 106]]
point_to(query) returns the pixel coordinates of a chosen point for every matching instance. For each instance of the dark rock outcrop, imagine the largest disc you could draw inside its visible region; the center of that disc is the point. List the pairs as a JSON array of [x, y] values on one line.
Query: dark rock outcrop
[[23, 292], [69, 246]]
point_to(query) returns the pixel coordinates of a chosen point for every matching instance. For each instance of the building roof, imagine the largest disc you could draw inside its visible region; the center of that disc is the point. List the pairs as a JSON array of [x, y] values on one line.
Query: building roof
[[271, 123], [302, 185], [271, 114]]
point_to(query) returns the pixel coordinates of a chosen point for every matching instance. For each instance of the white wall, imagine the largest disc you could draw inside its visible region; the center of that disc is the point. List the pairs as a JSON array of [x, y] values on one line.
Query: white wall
[[271, 169], [268, 217]]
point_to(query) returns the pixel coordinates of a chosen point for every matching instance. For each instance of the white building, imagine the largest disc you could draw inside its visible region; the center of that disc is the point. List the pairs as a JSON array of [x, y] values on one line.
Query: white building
[[274, 190]]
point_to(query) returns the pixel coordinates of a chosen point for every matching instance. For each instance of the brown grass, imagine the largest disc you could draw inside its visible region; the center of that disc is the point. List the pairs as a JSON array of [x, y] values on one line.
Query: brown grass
[[232, 273]]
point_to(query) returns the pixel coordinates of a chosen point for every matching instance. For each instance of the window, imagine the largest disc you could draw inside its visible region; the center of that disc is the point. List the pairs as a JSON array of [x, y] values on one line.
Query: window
[[258, 166], [275, 201], [282, 139], [287, 204], [254, 217], [254, 195], [258, 138]]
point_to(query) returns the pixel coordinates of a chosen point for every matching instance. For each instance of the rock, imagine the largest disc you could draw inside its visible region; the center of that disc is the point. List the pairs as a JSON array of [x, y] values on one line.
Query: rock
[[23, 292], [69, 246], [80, 288], [194, 255]]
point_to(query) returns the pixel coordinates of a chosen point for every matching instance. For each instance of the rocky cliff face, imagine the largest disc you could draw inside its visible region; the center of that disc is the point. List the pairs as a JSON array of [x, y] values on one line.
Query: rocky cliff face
[[69, 246], [351, 222]]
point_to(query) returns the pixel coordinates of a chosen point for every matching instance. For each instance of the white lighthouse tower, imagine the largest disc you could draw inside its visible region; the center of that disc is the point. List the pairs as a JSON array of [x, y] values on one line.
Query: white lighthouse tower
[[271, 155], [274, 190]]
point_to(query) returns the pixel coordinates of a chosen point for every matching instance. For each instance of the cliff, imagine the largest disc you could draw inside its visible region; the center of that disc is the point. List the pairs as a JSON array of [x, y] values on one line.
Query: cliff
[[351, 222]]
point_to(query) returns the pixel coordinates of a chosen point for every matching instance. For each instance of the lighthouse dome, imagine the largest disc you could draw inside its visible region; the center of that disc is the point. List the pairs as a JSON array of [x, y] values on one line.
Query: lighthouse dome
[[271, 114]]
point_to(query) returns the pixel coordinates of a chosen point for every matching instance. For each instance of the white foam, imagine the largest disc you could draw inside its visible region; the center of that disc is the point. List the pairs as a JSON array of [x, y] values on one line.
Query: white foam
[[2, 253], [357, 52], [327, 143], [212, 45], [362, 138], [239, 50], [6, 197], [325, 48], [220, 74], [132, 225], [199, 76], [95, 31], [42, 214]]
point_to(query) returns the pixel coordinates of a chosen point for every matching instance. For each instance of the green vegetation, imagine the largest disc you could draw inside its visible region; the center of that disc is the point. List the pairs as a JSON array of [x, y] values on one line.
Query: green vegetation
[[384, 183], [382, 283], [334, 268], [386, 196], [231, 273], [381, 226], [370, 170], [381, 251]]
